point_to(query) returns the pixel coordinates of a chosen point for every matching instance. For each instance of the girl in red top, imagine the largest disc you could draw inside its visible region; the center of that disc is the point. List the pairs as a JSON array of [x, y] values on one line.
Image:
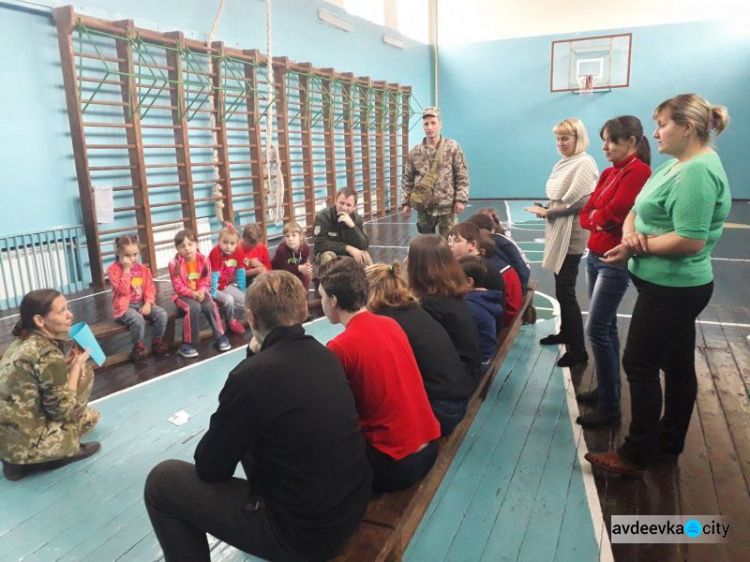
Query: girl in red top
[[293, 254], [255, 254], [394, 412], [228, 278], [604, 213], [190, 273], [134, 297]]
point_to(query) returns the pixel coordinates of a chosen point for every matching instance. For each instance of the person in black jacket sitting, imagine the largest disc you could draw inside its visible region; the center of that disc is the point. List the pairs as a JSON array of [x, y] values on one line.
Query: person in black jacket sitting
[[339, 231], [287, 414]]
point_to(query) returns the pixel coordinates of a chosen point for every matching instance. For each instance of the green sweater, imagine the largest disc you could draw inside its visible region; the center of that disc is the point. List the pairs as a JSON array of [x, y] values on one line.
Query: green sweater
[[692, 200]]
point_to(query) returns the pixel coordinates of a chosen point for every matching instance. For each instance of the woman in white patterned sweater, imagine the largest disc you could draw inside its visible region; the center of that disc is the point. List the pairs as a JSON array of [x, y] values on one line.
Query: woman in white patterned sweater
[[568, 188]]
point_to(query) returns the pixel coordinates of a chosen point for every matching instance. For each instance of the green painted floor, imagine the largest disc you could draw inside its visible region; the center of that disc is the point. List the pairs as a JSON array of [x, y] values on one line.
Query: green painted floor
[[515, 490]]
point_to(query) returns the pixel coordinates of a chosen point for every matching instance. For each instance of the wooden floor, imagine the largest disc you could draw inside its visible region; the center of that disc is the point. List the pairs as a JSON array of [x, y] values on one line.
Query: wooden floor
[[711, 478]]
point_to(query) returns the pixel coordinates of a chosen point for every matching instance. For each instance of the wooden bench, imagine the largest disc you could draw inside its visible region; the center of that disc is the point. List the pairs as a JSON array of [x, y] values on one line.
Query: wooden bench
[[391, 519]]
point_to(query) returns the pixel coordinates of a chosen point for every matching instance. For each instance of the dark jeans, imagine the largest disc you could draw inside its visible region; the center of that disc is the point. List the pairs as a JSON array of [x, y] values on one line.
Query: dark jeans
[[183, 508], [661, 336], [390, 475], [571, 321], [607, 285], [449, 413], [191, 310]]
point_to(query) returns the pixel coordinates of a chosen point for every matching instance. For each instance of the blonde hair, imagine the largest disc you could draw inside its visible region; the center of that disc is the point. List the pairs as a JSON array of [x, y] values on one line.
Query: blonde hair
[[574, 128], [291, 227], [229, 230], [277, 298], [388, 287], [692, 108]]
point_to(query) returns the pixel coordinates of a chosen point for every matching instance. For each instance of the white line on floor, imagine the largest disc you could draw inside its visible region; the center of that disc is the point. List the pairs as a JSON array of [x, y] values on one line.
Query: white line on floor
[[699, 321], [589, 485]]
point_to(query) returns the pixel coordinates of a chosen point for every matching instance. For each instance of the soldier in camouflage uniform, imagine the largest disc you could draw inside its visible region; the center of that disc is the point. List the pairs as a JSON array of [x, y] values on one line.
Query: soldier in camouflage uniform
[[451, 190], [43, 393]]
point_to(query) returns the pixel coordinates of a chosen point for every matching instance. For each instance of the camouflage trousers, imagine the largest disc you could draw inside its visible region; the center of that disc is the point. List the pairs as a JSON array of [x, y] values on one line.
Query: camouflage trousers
[[59, 440], [426, 223], [324, 257]]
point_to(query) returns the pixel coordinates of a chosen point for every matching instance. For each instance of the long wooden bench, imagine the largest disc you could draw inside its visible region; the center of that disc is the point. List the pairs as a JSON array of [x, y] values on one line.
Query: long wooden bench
[[391, 519]]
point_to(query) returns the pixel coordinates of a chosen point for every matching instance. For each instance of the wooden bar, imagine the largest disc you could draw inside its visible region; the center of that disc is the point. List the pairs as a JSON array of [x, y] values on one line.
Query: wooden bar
[[253, 108], [364, 121], [65, 22], [379, 149], [393, 146], [181, 135], [280, 65], [330, 143], [307, 163], [405, 118]]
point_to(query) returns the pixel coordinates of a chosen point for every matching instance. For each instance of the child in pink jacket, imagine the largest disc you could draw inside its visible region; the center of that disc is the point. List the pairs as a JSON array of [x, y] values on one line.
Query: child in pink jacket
[[134, 297], [190, 272]]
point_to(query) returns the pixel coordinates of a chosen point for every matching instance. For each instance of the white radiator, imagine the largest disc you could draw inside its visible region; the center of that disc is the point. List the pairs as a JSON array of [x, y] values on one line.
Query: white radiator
[[39, 266], [164, 240]]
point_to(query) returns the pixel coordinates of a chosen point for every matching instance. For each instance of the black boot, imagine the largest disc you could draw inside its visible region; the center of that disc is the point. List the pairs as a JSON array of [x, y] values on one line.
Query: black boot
[[13, 472], [590, 397], [600, 418], [552, 339], [573, 358]]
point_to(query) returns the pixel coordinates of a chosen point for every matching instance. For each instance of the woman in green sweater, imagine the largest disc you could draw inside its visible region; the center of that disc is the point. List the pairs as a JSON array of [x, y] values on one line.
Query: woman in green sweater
[[667, 241]]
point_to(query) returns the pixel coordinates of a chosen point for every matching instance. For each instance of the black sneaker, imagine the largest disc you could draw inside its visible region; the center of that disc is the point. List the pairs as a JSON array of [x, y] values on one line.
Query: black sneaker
[[599, 418], [552, 339], [573, 358], [590, 397]]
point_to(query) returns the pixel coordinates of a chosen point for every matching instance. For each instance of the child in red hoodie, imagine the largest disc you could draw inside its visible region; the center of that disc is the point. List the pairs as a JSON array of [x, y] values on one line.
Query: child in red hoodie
[[228, 278], [255, 254]]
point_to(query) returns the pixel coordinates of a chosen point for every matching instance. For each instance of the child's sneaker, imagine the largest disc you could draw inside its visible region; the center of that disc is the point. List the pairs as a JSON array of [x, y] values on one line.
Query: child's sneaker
[[187, 351], [223, 343], [138, 354], [158, 347], [235, 326]]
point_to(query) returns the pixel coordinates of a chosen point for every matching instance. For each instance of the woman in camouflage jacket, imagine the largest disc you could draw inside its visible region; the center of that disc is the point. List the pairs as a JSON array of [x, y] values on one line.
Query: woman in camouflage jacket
[[44, 393]]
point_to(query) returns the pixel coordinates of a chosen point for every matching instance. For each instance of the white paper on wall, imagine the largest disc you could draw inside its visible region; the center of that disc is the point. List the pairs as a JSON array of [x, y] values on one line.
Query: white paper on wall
[[104, 204]]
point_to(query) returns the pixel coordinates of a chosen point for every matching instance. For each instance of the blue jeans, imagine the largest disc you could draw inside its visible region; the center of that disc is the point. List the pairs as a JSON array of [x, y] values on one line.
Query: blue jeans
[[607, 285], [449, 413], [136, 322]]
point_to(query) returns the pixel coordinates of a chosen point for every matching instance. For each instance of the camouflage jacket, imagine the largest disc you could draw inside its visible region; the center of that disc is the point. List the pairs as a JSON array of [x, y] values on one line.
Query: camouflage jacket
[[33, 393], [452, 184], [329, 235]]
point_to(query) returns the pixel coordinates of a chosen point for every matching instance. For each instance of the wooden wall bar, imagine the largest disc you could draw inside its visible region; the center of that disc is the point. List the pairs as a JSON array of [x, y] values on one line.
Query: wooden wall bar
[[169, 117]]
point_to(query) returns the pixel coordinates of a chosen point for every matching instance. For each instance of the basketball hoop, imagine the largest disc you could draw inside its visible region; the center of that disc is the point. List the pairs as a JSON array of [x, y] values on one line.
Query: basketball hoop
[[586, 84]]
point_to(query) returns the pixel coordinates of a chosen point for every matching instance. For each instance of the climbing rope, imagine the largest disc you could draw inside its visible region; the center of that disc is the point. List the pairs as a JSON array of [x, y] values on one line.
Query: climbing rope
[[217, 190], [274, 180]]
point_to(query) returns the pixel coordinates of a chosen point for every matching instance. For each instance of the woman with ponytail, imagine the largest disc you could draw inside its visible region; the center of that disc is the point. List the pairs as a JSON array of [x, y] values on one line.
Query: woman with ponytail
[[447, 383], [667, 241], [44, 393], [604, 214]]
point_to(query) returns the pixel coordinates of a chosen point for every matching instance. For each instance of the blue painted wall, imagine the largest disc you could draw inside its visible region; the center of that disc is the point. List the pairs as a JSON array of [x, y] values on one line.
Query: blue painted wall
[[496, 101], [37, 172]]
